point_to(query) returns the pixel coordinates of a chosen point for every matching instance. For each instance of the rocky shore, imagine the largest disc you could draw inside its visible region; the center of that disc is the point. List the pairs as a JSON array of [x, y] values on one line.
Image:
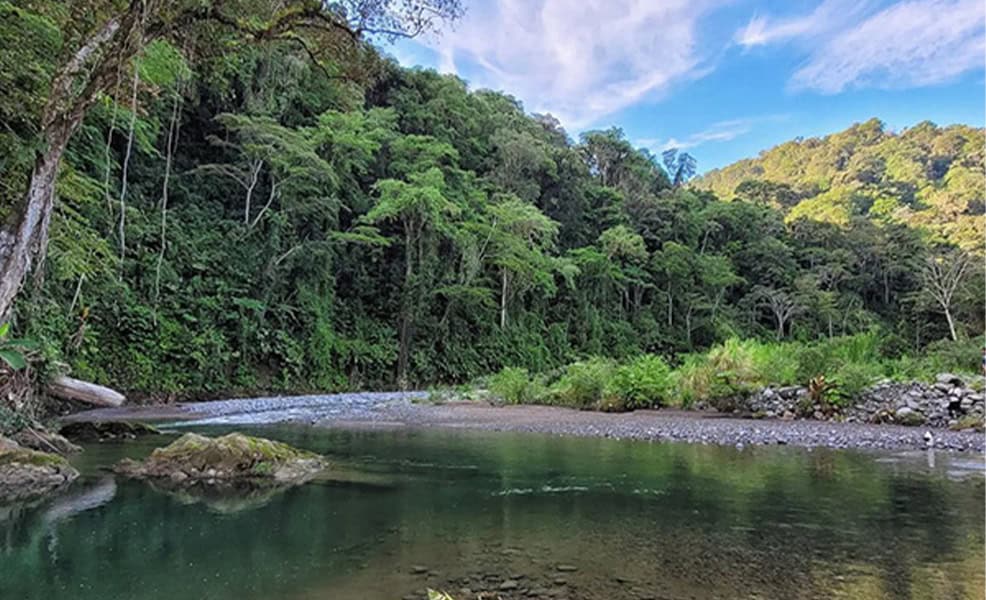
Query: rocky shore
[[951, 402], [26, 473], [413, 410]]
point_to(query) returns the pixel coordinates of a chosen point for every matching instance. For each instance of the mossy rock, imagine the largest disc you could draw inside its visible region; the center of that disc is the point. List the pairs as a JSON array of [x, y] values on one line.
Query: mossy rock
[[93, 431], [968, 422], [26, 473], [195, 458]]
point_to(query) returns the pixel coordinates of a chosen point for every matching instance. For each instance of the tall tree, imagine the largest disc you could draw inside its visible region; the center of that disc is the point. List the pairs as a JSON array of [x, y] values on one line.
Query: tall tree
[[943, 276], [520, 236], [421, 206], [106, 38]]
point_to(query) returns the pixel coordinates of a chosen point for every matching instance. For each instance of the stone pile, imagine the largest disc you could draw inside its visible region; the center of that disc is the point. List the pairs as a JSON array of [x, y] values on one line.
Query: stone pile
[[948, 402]]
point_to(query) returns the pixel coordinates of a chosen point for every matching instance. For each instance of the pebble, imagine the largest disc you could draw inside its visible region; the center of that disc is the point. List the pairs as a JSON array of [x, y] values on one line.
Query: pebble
[[400, 408]]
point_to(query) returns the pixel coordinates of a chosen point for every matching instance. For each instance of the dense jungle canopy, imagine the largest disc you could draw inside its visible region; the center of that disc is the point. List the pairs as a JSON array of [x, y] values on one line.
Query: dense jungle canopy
[[253, 208]]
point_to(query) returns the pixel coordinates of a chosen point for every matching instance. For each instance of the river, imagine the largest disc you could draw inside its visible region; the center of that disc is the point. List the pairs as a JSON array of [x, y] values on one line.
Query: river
[[520, 515]]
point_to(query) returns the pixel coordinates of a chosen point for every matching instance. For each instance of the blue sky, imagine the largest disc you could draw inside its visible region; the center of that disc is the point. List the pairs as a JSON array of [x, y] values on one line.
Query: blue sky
[[722, 79]]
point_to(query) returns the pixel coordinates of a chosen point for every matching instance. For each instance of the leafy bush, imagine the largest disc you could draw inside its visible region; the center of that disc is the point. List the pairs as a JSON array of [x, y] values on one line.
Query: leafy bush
[[733, 368], [851, 378], [515, 385], [584, 384], [642, 383], [13, 352], [12, 421], [964, 355]]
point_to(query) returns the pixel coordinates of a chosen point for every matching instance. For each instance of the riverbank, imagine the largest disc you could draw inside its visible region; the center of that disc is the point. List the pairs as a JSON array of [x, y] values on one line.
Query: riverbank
[[409, 410]]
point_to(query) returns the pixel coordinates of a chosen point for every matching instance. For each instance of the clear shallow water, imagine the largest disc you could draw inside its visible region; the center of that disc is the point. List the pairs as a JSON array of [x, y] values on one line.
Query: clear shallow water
[[636, 520]]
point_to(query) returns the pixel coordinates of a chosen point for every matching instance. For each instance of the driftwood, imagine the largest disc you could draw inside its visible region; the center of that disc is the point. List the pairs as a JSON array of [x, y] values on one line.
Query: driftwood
[[82, 391]]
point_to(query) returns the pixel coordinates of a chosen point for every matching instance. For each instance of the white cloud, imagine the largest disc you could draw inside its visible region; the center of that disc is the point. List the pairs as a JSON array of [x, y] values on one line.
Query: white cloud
[[911, 44], [578, 59], [853, 44], [761, 30], [721, 131]]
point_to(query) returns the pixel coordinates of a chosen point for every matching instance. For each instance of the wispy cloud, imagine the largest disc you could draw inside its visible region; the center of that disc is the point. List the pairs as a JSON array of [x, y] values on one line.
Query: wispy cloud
[[721, 131], [855, 44], [907, 45], [827, 16], [579, 59]]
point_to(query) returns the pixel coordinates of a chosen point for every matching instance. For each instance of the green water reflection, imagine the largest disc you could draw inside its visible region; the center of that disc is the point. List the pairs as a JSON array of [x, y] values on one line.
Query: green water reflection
[[636, 520]]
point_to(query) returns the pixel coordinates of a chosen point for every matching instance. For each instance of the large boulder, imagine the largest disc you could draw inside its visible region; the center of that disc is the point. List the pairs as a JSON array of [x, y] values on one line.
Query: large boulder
[[195, 458], [26, 473]]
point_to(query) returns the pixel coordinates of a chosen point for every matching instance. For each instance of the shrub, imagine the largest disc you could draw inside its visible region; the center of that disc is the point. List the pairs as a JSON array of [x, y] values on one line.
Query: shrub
[[849, 364], [728, 370], [12, 421], [642, 383], [851, 378], [583, 384], [964, 355], [515, 385]]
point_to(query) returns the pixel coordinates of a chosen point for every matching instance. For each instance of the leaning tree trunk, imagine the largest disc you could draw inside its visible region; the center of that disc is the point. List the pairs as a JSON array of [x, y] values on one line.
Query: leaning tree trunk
[[20, 247], [86, 73], [951, 324]]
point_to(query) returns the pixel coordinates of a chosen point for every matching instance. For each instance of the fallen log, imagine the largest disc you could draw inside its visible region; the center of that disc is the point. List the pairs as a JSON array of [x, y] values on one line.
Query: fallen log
[[68, 388]]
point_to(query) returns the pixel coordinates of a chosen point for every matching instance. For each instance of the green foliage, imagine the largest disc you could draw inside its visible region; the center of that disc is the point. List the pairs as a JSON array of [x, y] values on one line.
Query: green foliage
[[13, 351], [922, 177], [723, 373], [12, 421], [584, 384], [515, 385], [398, 229], [644, 382]]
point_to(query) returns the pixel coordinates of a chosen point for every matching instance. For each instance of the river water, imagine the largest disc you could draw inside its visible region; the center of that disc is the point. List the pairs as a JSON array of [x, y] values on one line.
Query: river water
[[520, 515]]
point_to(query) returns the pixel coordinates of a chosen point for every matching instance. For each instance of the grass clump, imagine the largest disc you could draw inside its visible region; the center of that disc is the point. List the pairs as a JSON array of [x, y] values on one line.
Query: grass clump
[[584, 384], [733, 369], [835, 370], [514, 385], [644, 382]]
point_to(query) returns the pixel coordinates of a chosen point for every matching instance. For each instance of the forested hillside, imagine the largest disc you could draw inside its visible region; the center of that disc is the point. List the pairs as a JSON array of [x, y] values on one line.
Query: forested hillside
[[928, 177], [254, 220]]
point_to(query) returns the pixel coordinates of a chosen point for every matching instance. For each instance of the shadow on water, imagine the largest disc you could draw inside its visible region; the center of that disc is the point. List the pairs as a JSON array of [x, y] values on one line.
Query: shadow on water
[[402, 510]]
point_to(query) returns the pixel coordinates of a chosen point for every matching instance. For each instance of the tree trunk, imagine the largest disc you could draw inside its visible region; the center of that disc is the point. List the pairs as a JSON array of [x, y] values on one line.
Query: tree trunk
[[83, 391], [951, 324], [404, 335], [503, 298], [19, 248], [62, 115]]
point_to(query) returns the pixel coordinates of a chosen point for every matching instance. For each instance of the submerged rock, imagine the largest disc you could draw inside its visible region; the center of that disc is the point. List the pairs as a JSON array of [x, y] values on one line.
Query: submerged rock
[[45, 441], [233, 457], [89, 431], [228, 496], [26, 473]]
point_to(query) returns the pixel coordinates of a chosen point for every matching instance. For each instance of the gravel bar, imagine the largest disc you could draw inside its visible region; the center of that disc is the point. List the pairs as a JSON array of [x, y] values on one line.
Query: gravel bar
[[406, 409]]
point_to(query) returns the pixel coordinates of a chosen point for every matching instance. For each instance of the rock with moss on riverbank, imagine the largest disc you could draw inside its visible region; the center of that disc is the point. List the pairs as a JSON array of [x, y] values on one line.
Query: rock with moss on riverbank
[[26, 473], [195, 458]]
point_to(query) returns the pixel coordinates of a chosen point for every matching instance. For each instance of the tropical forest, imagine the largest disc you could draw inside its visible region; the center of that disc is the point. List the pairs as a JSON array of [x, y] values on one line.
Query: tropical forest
[[262, 199]]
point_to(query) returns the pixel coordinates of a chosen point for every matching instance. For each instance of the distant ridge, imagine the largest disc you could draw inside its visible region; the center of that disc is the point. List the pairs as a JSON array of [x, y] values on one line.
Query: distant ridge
[[926, 176]]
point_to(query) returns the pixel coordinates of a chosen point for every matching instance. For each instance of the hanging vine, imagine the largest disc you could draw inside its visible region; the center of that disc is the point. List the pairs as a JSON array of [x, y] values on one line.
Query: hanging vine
[[174, 128], [126, 169]]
